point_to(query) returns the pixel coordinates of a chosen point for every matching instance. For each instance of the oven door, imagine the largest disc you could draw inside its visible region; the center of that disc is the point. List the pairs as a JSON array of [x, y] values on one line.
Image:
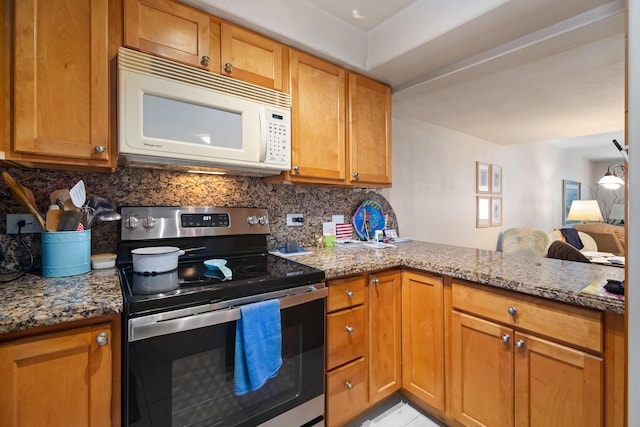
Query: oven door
[[182, 376]]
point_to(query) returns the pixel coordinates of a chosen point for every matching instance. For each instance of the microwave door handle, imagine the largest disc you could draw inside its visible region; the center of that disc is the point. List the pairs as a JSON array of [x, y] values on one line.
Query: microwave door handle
[[263, 134]]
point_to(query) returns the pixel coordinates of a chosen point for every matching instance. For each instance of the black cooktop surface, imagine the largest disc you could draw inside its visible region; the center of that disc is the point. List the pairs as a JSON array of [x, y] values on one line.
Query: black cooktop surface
[[193, 283]]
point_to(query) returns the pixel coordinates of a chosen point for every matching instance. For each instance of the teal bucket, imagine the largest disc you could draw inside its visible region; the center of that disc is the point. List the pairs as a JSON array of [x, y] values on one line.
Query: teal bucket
[[66, 253]]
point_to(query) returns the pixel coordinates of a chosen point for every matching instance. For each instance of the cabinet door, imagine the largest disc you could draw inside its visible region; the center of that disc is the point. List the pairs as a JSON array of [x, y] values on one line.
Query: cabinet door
[[481, 372], [556, 385], [369, 131], [253, 58], [169, 29], [57, 380], [318, 92], [61, 82], [423, 337], [384, 335]]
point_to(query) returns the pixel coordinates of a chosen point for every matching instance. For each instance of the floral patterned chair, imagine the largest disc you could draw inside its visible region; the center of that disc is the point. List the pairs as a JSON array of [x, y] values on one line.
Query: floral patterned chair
[[525, 241]]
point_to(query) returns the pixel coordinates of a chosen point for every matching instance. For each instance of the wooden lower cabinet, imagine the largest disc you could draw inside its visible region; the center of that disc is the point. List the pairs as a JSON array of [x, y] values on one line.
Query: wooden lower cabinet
[[59, 379], [423, 345], [347, 392], [502, 376], [384, 335]]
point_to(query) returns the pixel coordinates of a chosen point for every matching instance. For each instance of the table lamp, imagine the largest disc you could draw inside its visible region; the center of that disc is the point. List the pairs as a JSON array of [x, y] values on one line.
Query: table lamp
[[585, 211]]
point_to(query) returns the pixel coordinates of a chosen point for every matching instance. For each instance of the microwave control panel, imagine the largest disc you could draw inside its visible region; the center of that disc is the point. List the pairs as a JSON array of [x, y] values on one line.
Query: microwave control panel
[[278, 124]]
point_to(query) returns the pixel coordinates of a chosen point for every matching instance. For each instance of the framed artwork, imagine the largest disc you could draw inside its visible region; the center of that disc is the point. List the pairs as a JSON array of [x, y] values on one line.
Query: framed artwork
[[496, 211], [496, 179], [483, 177], [483, 211], [570, 192]]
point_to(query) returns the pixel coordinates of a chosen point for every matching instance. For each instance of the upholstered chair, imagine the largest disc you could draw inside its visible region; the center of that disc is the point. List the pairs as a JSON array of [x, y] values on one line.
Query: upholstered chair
[[525, 241]]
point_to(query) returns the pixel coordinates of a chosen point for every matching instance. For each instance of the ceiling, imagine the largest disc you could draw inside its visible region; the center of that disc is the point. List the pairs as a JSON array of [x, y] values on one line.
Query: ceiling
[[505, 71]]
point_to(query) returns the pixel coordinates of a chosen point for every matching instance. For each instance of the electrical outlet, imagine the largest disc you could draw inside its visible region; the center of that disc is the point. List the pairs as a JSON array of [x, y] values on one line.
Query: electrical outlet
[[31, 225], [295, 219]]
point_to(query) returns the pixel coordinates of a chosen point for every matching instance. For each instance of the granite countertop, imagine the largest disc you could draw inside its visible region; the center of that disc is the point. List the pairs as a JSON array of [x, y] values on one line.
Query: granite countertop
[[548, 278], [34, 301]]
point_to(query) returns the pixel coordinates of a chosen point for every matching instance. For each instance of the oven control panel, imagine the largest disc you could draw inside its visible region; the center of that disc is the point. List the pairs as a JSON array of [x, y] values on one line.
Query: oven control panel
[[204, 220], [163, 222]]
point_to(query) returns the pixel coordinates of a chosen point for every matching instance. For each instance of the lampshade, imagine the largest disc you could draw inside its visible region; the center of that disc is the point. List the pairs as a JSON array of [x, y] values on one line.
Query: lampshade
[[610, 180], [585, 210], [617, 212]]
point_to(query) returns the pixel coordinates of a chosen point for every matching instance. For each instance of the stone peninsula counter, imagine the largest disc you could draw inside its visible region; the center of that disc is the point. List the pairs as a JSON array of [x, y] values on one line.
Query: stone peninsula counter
[[552, 279], [34, 301]]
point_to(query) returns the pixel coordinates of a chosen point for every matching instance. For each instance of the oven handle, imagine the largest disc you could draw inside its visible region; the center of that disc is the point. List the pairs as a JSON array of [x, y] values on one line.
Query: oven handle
[[152, 326]]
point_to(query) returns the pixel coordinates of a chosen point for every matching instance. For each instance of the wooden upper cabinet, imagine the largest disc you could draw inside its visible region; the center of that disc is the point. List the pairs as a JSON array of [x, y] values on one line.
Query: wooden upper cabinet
[[169, 29], [369, 132], [61, 83], [253, 58], [318, 97]]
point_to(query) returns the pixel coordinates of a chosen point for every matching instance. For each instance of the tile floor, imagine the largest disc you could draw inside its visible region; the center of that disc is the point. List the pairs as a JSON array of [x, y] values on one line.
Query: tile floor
[[396, 413]]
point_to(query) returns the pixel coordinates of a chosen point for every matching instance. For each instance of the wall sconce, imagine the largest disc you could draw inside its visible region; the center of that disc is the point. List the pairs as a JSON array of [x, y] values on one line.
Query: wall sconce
[[611, 180], [585, 210]]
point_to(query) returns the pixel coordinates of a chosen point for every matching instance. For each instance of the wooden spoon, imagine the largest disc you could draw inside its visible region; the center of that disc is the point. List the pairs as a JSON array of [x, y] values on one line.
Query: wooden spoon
[[24, 197]]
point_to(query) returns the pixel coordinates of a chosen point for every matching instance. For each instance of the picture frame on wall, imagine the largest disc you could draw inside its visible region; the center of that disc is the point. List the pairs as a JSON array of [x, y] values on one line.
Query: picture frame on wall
[[483, 177], [483, 211], [571, 190], [496, 211], [496, 179]]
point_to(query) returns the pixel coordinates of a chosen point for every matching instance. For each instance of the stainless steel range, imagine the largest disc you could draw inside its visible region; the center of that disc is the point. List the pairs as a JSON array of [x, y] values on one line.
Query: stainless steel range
[[178, 359]]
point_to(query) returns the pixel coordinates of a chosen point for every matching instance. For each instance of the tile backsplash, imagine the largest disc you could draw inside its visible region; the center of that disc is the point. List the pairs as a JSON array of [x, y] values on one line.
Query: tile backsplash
[[130, 186]]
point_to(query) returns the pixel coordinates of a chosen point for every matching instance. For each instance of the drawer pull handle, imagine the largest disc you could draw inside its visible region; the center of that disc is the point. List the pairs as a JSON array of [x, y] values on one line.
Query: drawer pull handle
[[348, 385], [349, 294], [513, 311], [506, 338], [349, 329], [520, 344], [375, 282]]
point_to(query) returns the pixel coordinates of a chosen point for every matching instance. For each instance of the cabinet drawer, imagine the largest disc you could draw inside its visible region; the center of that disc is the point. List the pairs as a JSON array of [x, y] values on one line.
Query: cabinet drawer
[[344, 293], [346, 392], [564, 322], [345, 336]]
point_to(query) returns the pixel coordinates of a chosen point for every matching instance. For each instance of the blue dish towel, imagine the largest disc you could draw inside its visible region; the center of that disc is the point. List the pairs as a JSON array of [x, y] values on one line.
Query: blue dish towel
[[258, 351], [571, 237]]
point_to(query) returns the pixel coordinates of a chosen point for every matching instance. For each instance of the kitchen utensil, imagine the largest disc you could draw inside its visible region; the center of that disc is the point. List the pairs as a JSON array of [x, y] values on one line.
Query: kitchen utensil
[[107, 216], [157, 259], [25, 197], [78, 194], [59, 197], [219, 264], [70, 221], [53, 219]]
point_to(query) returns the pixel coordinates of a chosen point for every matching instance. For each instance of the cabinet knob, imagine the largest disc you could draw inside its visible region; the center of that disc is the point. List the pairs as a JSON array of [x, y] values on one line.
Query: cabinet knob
[[228, 68], [296, 169], [102, 339], [348, 385], [506, 338], [375, 282], [349, 293], [205, 61], [355, 176], [100, 149], [520, 344], [349, 329], [513, 311]]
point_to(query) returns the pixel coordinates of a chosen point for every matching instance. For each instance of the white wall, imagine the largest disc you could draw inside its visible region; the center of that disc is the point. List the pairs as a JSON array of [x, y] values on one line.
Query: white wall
[[433, 192]]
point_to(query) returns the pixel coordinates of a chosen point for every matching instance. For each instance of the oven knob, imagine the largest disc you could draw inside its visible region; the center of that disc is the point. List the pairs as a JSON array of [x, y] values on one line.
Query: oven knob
[[149, 222], [262, 220], [252, 220], [131, 222]]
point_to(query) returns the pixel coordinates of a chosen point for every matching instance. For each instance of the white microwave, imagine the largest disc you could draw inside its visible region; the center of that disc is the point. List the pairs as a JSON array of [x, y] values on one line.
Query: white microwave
[[179, 117]]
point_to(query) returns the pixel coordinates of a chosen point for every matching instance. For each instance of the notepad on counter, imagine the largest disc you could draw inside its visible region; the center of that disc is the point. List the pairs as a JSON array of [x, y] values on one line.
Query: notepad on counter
[[284, 253]]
